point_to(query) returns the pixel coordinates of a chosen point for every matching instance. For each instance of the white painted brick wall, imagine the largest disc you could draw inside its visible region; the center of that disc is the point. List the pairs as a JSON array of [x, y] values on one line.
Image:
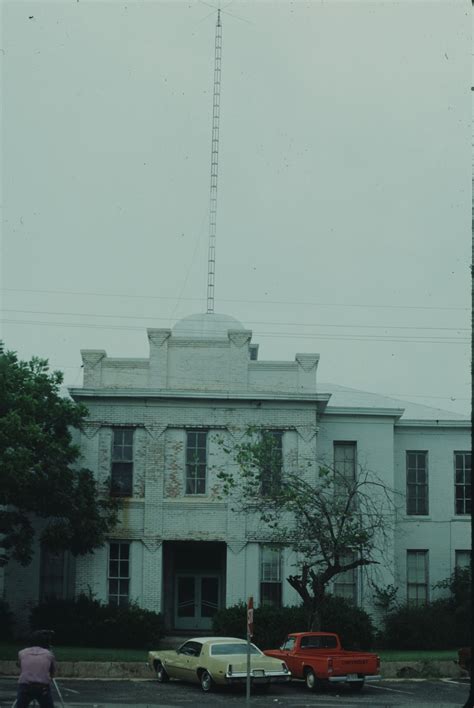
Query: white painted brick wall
[[161, 511]]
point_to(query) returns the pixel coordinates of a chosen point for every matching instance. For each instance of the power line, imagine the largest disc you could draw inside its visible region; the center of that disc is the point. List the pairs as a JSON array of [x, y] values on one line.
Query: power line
[[83, 293], [282, 335], [255, 322]]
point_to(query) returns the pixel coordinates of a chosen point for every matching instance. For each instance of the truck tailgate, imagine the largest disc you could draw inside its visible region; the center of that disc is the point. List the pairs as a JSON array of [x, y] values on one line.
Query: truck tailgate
[[354, 663]]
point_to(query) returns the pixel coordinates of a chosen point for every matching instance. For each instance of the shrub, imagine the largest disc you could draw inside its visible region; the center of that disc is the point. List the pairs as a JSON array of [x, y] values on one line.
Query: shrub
[[431, 626], [230, 621], [272, 624], [88, 622], [131, 626], [352, 623], [6, 620], [443, 624]]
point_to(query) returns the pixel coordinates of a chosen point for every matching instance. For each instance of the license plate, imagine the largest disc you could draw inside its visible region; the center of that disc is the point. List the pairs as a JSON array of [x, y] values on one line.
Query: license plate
[[258, 672], [352, 677]]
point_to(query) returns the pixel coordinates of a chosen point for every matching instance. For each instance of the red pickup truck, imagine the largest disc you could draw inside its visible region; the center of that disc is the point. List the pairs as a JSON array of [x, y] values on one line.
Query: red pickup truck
[[319, 659]]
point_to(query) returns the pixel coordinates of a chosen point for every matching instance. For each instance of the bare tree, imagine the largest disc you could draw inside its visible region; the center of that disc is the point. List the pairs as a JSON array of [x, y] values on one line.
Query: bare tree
[[333, 522]]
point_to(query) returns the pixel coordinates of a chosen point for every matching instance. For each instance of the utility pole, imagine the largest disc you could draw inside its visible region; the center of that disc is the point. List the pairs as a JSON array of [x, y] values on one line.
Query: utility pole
[[211, 268]]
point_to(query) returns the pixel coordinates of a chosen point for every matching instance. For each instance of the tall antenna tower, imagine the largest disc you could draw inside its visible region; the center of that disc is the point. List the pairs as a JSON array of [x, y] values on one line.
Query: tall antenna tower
[[211, 266]]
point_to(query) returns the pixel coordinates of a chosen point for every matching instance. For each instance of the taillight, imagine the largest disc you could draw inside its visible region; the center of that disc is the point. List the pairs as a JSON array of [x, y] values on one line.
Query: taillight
[[229, 670], [330, 666], [284, 667]]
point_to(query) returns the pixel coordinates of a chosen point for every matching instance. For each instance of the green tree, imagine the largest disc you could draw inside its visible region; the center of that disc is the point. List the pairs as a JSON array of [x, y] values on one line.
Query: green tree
[[459, 585], [39, 476], [334, 523]]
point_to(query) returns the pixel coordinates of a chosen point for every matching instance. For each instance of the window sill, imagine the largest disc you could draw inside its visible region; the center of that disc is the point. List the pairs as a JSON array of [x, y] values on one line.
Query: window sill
[[416, 517], [460, 517]]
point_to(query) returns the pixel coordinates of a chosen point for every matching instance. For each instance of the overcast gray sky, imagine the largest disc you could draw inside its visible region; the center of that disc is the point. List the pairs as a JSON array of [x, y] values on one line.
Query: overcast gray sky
[[343, 220]]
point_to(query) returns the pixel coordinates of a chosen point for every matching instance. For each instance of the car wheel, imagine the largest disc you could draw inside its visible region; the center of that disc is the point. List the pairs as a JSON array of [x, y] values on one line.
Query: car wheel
[[161, 675], [311, 680], [207, 684], [356, 685]]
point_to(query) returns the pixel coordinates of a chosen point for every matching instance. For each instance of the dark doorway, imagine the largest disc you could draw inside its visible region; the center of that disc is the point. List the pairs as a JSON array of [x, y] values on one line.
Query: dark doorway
[[193, 583]]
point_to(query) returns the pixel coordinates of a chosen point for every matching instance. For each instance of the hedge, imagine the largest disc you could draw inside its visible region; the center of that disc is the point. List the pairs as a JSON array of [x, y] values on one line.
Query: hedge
[[88, 622], [437, 625], [271, 624]]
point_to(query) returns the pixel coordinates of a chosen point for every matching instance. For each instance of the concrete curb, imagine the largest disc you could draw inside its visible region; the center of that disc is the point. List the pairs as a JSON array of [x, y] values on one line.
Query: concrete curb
[[140, 670]]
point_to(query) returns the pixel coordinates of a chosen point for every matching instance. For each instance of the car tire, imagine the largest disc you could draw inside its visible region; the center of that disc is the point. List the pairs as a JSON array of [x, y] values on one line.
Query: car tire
[[160, 671], [310, 679], [207, 684]]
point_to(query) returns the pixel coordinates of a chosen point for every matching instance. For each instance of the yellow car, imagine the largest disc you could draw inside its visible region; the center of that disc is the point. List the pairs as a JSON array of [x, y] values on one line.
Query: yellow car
[[213, 661]]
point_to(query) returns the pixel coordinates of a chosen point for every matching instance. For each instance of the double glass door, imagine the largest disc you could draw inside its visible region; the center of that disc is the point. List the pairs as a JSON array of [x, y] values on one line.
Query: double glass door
[[196, 600]]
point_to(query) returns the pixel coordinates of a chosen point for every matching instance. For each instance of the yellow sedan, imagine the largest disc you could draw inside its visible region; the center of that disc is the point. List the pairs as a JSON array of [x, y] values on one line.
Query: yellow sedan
[[213, 661]]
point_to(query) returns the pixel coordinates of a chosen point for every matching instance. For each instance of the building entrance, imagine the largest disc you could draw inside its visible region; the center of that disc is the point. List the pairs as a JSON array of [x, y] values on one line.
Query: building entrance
[[196, 600], [194, 575]]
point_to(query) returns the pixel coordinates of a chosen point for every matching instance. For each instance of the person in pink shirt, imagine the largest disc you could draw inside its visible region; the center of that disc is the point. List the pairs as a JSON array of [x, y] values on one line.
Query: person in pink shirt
[[37, 669]]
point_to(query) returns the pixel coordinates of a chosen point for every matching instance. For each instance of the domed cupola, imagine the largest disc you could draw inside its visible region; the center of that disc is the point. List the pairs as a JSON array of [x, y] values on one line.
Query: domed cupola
[[209, 325]]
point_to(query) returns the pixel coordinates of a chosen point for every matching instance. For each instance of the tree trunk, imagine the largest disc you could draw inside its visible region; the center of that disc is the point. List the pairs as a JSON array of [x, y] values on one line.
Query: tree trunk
[[311, 601], [318, 589], [314, 623]]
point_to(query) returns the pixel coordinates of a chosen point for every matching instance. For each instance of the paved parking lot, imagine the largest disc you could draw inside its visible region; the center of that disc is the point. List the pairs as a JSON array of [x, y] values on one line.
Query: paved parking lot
[[93, 693]]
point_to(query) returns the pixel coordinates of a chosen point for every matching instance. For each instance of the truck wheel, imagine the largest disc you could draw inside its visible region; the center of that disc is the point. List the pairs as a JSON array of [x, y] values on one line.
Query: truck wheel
[[161, 675], [356, 685], [311, 680]]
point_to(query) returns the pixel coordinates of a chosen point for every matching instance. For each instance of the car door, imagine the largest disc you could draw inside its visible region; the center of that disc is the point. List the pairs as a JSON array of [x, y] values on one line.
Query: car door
[[179, 664], [286, 655], [191, 653]]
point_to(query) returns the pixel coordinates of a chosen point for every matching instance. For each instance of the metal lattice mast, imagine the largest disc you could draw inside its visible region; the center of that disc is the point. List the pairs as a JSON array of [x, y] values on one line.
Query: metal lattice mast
[[211, 268]]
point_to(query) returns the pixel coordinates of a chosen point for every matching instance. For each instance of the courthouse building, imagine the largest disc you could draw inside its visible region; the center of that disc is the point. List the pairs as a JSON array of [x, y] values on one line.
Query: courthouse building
[[152, 438]]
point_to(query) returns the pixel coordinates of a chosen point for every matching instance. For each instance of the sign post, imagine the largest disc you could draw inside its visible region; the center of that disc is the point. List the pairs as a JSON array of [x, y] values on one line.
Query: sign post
[[249, 637]]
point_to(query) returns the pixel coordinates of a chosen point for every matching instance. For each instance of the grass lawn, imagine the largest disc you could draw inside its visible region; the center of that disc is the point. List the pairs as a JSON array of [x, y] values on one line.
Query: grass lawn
[[9, 652]]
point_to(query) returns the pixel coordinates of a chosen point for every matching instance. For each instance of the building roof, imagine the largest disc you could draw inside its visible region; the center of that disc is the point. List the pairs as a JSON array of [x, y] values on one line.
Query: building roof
[[344, 397], [206, 325]]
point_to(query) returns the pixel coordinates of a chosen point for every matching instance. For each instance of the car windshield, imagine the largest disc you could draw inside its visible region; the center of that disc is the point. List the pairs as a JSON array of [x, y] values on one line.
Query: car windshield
[[237, 648]]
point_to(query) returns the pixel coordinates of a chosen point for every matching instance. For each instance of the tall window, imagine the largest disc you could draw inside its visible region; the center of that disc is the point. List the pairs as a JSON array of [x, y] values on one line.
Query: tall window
[[122, 463], [345, 460], [417, 482], [417, 577], [271, 473], [52, 575], [119, 573], [270, 576], [345, 584], [462, 483], [196, 461]]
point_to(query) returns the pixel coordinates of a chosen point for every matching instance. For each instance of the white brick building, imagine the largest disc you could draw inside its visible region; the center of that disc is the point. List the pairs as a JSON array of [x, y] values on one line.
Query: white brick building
[[180, 549]]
